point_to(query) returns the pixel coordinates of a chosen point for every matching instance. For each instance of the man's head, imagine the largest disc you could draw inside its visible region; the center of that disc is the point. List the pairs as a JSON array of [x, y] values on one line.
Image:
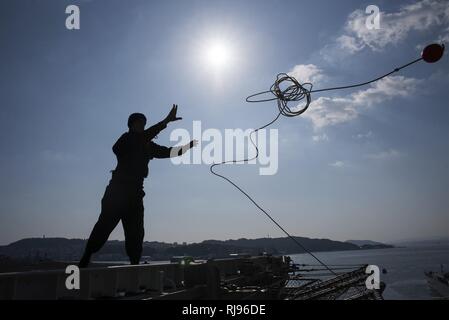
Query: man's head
[[137, 122]]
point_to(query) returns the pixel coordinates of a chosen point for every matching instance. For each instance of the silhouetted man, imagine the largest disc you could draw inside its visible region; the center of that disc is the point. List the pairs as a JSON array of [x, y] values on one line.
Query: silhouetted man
[[123, 198]]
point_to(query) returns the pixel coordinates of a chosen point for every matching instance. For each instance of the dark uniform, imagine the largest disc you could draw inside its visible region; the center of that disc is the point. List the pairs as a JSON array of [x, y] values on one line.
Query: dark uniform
[[123, 198]]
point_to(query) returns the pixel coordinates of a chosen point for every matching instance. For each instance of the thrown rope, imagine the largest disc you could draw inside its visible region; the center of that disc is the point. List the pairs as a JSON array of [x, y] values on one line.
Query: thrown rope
[[286, 89]]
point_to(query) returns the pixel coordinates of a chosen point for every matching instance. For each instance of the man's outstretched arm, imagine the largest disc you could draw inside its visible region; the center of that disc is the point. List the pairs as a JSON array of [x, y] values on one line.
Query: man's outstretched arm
[[161, 152], [154, 130]]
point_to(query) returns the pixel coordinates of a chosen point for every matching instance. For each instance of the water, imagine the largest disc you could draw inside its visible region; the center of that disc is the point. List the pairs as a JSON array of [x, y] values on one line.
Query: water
[[405, 267]]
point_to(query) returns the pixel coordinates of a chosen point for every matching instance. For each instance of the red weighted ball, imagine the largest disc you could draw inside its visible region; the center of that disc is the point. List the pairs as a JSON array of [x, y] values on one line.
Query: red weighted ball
[[433, 52]]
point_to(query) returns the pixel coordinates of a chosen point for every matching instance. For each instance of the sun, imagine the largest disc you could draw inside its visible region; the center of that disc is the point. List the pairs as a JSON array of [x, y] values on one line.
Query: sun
[[218, 54]]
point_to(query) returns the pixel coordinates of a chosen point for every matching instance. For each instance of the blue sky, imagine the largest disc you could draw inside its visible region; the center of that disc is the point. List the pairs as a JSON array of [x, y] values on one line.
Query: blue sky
[[370, 163]]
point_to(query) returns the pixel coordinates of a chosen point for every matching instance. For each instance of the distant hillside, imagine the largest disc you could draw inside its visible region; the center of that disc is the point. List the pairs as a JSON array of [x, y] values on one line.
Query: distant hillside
[[287, 246], [435, 241], [71, 249], [369, 244]]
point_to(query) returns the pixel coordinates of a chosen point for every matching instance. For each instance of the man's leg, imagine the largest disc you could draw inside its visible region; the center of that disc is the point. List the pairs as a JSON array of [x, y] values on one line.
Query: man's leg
[[108, 220], [132, 221]]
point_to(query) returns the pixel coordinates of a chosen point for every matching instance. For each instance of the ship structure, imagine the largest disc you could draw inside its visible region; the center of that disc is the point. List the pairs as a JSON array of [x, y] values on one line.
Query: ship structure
[[438, 283], [262, 277]]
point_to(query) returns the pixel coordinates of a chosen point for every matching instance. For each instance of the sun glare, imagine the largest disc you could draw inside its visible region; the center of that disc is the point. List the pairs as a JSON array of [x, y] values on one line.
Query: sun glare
[[218, 55]]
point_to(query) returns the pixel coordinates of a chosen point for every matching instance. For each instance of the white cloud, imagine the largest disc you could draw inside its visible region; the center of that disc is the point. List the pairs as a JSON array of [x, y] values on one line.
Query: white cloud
[[349, 43], [367, 135], [57, 156], [307, 73], [445, 36], [321, 137], [326, 111], [394, 26], [384, 155], [337, 164]]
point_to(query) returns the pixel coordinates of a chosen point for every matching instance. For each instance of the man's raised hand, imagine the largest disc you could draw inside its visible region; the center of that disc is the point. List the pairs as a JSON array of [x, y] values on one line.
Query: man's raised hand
[[172, 114]]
